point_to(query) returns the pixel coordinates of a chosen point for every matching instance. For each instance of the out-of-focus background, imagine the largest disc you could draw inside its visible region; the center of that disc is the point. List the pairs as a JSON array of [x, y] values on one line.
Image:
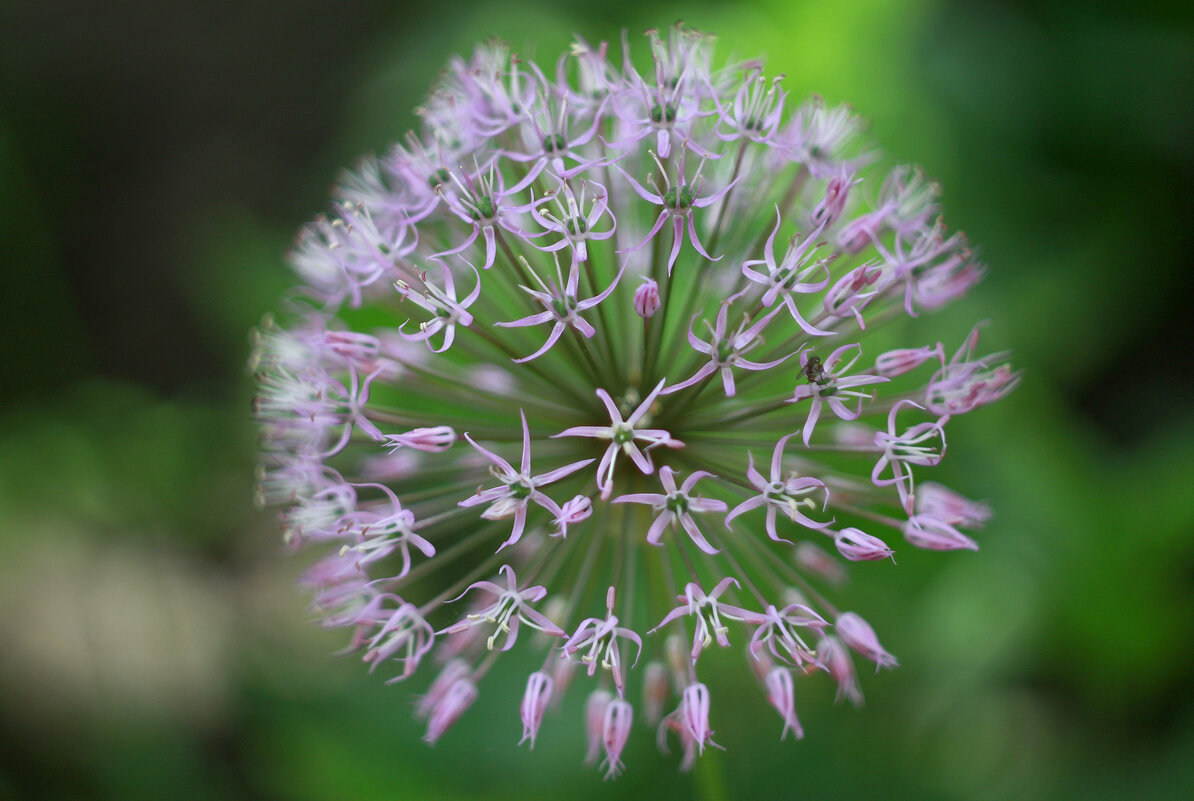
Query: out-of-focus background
[[155, 160]]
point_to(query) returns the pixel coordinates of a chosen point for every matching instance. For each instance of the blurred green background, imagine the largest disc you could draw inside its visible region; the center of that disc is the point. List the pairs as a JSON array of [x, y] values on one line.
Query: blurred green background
[[155, 160]]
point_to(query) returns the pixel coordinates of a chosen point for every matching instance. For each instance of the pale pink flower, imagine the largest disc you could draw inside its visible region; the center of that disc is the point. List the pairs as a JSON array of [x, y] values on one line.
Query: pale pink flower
[[518, 487], [452, 672], [901, 451], [796, 274], [828, 385], [575, 226], [966, 383], [902, 360], [446, 311], [563, 309], [622, 435], [755, 112], [779, 493], [405, 636], [778, 629], [678, 202], [676, 505], [725, 351], [599, 640], [480, 200], [694, 706], [379, 534], [708, 613], [511, 607]]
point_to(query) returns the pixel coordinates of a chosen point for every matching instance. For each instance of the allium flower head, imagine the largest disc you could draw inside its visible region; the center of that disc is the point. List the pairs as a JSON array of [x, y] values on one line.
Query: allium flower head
[[588, 354]]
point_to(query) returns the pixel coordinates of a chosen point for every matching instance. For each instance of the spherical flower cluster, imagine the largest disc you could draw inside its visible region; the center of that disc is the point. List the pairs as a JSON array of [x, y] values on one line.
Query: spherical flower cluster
[[586, 356]]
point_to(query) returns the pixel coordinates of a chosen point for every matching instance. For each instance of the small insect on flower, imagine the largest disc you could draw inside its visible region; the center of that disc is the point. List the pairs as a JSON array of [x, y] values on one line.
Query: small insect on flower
[[612, 274]]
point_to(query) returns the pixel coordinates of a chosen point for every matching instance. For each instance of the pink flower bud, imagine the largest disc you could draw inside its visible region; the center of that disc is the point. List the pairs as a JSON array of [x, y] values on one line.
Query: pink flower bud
[[695, 705], [656, 688], [573, 511], [849, 294], [781, 694], [432, 440], [934, 534], [615, 731], [390, 467], [677, 654], [534, 703], [858, 546], [493, 379], [815, 560], [451, 706], [562, 671], [449, 675], [860, 232], [834, 657], [359, 350], [646, 299], [595, 723], [902, 360], [856, 435], [834, 202], [859, 635], [935, 500]]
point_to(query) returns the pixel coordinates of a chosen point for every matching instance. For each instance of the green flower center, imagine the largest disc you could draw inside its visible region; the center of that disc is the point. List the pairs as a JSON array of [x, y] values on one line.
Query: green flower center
[[678, 200], [677, 503], [483, 208], [663, 114]]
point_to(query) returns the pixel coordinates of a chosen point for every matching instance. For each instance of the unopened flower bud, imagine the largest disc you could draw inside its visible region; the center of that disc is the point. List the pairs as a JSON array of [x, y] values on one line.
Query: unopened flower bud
[[432, 440], [833, 656], [931, 533], [571, 512], [452, 672], [615, 731], [595, 708], [948, 506], [859, 635], [902, 360], [656, 689], [858, 546], [458, 698], [646, 298], [696, 714], [534, 703], [834, 202], [815, 560], [562, 671], [781, 694]]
